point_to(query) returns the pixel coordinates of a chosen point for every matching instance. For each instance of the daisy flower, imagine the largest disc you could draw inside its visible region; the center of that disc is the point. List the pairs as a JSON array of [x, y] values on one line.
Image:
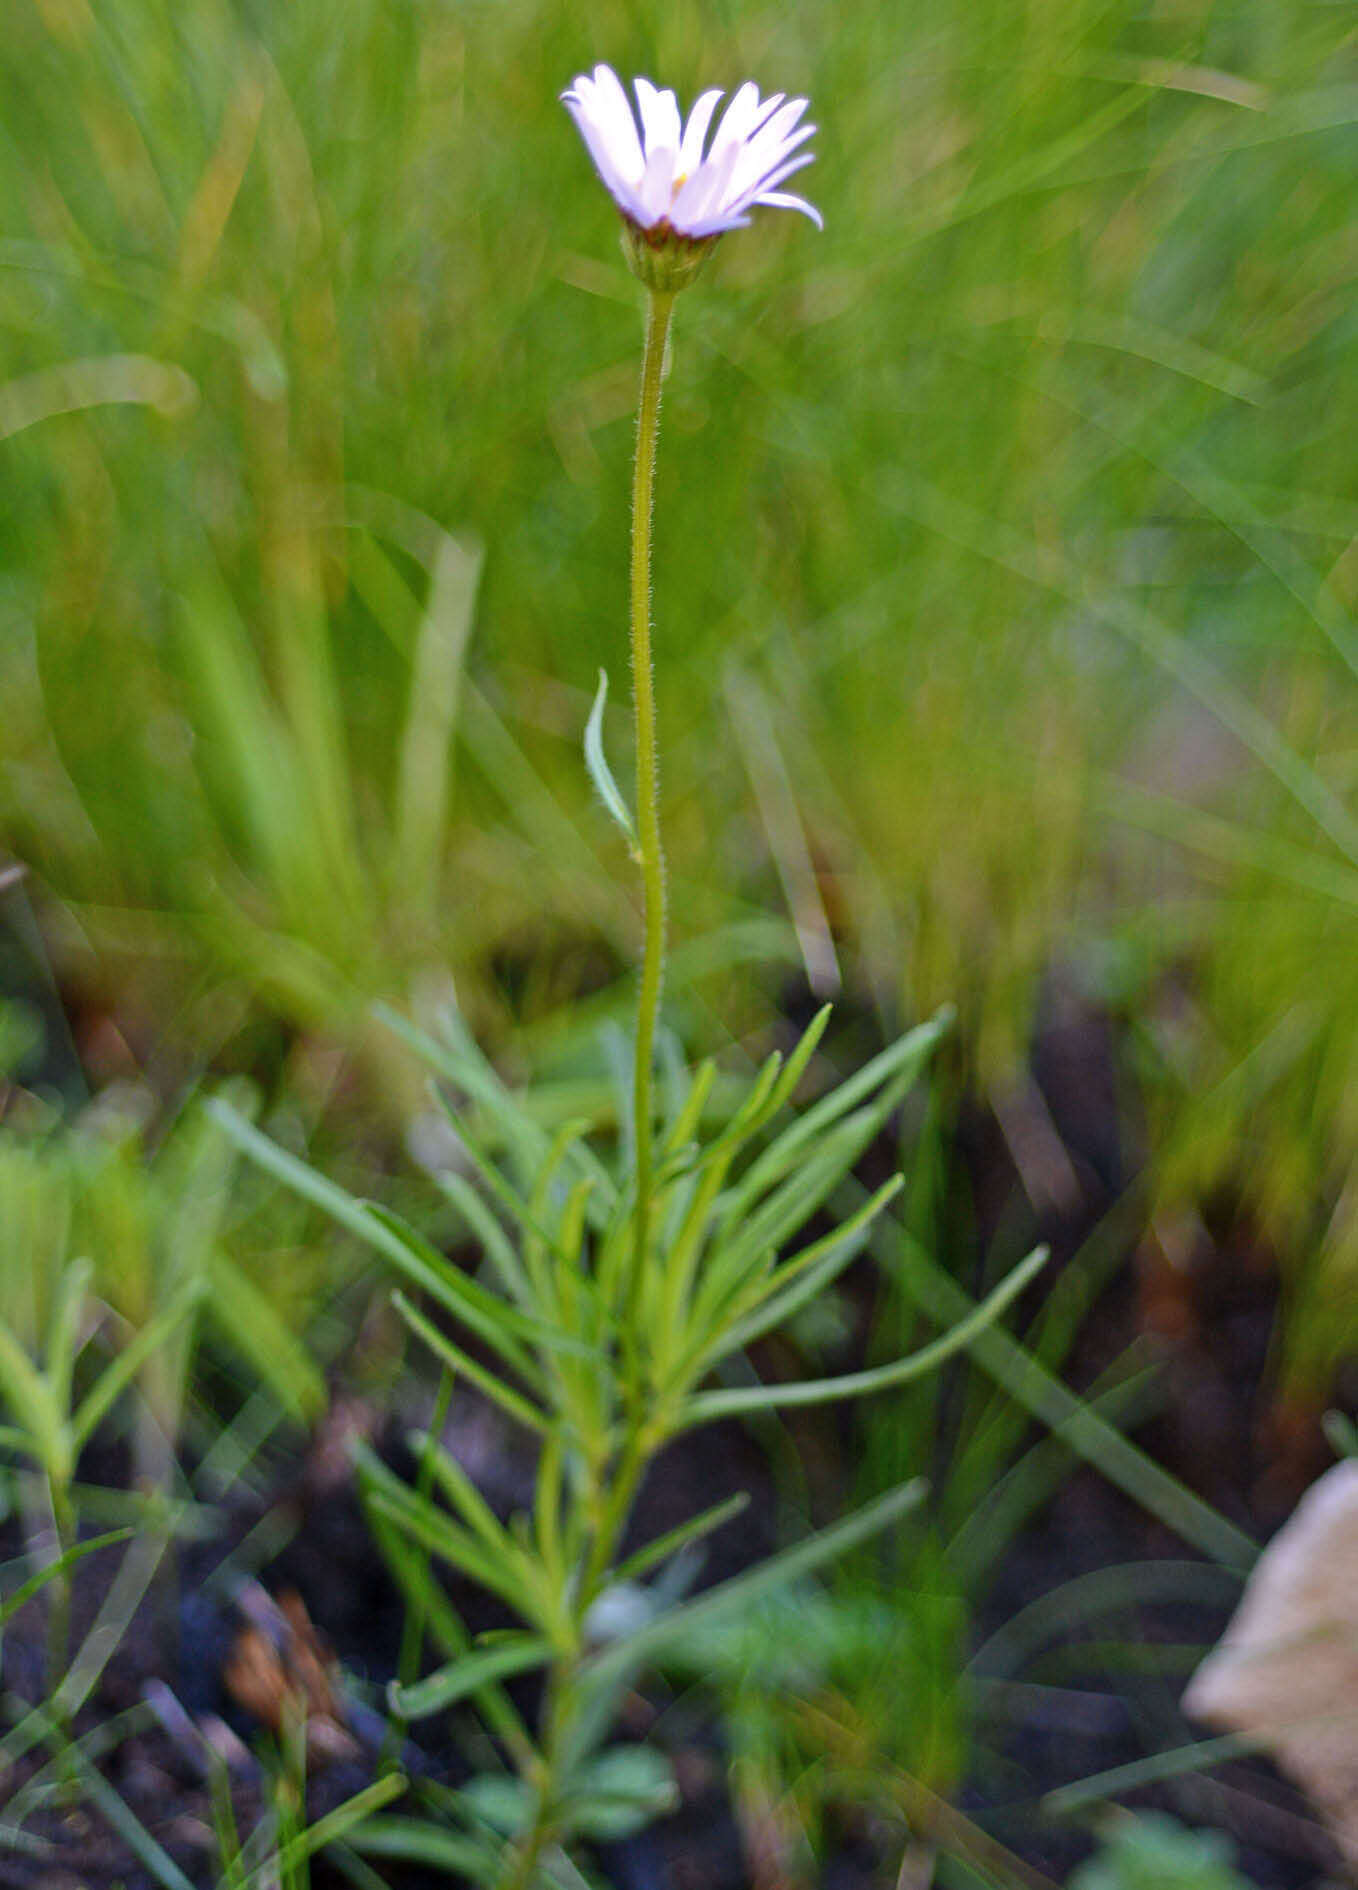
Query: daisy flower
[[658, 174]]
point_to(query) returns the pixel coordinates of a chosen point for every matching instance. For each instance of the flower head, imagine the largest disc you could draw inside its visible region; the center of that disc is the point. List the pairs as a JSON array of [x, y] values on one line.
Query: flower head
[[658, 174]]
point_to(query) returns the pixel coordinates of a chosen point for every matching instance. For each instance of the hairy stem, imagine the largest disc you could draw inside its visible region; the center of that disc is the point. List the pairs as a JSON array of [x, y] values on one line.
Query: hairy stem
[[614, 1483], [652, 858]]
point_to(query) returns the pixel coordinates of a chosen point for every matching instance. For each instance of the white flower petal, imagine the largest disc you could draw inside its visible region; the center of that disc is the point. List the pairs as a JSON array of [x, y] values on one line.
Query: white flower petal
[[771, 179], [758, 160], [704, 192], [784, 119], [597, 146], [654, 165], [611, 114], [783, 200], [659, 116], [657, 185], [738, 118], [762, 114], [778, 129], [695, 131]]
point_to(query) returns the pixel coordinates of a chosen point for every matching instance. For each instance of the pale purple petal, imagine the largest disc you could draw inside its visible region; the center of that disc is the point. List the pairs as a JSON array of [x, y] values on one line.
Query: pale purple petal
[[737, 119], [654, 164], [771, 179], [659, 116], [596, 144], [758, 161], [691, 146], [704, 192], [657, 185], [780, 123], [611, 113], [784, 200]]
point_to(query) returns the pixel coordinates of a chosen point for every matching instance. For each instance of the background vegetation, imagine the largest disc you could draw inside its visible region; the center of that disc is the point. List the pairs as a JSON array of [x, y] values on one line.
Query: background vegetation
[[1005, 575]]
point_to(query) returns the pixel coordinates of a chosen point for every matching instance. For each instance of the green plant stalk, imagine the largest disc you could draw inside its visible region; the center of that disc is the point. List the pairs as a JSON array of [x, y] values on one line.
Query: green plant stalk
[[609, 1502], [613, 1486], [59, 1607], [649, 850]]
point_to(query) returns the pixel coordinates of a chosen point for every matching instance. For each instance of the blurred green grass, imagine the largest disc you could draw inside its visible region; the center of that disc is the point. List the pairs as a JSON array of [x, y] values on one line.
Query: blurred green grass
[[978, 515]]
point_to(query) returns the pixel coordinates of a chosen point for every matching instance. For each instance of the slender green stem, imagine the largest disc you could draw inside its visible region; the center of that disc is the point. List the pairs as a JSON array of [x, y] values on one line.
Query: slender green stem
[[652, 858], [609, 1501], [614, 1482], [59, 1600]]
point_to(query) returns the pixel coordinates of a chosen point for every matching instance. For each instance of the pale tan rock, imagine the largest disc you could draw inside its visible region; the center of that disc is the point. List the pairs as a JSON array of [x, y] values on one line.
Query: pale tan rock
[[1286, 1669]]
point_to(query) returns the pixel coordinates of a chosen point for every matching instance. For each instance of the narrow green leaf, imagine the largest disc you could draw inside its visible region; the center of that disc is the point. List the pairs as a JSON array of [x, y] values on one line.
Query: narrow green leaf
[[710, 1405], [462, 1063], [490, 1317], [342, 1822], [688, 1119], [30, 1399], [350, 1866], [1029, 1382], [519, 1210], [483, 1227], [678, 1538], [12, 1603], [572, 1231], [224, 1827], [1156, 1765], [806, 1274], [858, 1223], [801, 1056], [64, 1328], [468, 1673], [500, 1324], [155, 1859], [506, 1575], [759, 1234], [251, 1324], [901, 1060], [597, 762], [416, 1841], [709, 1175], [547, 1496], [429, 1599], [458, 1487], [118, 1375], [540, 1206], [463, 1363], [436, 1531], [437, 661]]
